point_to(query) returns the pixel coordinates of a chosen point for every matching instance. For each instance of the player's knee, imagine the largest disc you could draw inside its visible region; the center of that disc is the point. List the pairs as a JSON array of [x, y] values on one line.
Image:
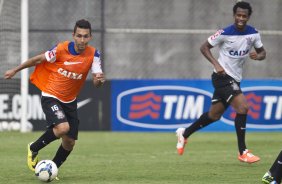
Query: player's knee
[[64, 129], [214, 116], [243, 109], [61, 129]]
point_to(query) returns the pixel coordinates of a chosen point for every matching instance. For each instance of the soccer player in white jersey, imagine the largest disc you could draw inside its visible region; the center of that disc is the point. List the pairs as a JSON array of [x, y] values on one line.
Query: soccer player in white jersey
[[235, 44]]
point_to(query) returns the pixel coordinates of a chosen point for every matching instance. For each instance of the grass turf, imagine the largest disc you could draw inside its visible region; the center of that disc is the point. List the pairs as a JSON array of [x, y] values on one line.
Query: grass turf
[[121, 158]]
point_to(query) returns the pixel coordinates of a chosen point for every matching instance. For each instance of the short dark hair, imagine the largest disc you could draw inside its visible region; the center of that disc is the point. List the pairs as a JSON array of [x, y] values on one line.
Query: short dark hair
[[82, 24], [243, 5]]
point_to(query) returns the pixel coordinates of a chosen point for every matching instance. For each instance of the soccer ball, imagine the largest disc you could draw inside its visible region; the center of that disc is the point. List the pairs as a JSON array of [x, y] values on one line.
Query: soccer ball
[[46, 170]]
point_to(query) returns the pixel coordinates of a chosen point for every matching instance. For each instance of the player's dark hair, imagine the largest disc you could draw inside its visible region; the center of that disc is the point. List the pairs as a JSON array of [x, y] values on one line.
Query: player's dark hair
[[243, 5], [82, 24]]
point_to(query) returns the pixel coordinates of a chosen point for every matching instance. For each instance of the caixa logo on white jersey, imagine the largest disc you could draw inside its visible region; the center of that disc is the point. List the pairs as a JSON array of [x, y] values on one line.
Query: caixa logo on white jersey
[[162, 107], [265, 108]]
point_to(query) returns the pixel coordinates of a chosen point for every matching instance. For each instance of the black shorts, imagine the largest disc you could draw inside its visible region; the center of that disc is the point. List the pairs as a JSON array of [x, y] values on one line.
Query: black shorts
[[225, 89], [57, 112]]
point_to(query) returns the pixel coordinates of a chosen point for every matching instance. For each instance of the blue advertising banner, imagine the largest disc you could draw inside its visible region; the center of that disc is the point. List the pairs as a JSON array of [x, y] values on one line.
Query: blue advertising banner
[[165, 105]]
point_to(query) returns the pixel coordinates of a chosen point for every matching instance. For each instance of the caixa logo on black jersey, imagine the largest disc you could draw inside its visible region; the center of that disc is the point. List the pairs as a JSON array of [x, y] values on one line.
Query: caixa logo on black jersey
[[265, 108], [162, 107]]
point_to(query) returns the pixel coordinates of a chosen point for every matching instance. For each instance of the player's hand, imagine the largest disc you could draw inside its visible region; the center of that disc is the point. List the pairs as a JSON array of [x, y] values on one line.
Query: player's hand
[[219, 70], [99, 79], [253, 55], [9, 74]]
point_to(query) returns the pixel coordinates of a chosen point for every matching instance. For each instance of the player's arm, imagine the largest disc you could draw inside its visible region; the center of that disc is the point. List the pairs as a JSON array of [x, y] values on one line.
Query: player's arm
[[29, 63], [206, 51], [258, 54], [97, 73]]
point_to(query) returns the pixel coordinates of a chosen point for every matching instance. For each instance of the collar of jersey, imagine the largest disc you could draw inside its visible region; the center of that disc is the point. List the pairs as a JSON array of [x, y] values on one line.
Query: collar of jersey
[[71, 49], [244, 32]]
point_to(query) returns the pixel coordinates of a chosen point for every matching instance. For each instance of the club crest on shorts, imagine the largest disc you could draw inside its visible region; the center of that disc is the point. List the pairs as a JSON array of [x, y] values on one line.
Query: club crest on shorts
[[60, 114], [235, 86]]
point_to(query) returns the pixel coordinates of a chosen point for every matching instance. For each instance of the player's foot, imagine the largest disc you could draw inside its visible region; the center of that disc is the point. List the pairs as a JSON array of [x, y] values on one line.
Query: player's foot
[[181, 141], [57, 178], [248, 157], [32, 158], [273, 182], [267, 178]]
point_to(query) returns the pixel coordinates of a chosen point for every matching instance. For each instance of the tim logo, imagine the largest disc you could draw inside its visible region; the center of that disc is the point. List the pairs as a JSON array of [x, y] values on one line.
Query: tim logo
[[162, 107], [148, 104], [265, 108]]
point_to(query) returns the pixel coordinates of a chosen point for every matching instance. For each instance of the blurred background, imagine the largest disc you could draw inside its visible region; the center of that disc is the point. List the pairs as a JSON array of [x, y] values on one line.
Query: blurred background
[[141, 38], [138, 39]]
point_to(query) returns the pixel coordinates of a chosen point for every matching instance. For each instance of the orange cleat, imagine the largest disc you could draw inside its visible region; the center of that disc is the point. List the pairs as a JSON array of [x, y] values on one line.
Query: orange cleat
[[181, 141], [248, 157]]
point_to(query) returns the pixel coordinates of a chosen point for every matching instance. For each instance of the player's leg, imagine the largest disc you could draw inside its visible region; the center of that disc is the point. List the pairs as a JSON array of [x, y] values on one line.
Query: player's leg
[[267, 178], [64, 150], [56, 120], [34, 147], [230, 93], [215, 112], [240, 105], [276, 169], [275, 172], [68, 139], [49, 136]]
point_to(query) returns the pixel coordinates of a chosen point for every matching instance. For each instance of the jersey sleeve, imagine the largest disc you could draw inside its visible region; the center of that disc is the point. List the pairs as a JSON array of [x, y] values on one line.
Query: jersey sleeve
[[216, 38], [96, 64], [50, 55], [257, 42]]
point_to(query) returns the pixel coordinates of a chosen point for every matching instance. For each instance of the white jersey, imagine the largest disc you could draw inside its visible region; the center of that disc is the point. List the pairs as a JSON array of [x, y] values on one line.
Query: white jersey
[[234, 48]]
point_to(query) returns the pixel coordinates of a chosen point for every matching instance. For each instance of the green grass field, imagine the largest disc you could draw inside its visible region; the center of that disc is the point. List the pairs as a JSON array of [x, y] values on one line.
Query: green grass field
[[149, 158]]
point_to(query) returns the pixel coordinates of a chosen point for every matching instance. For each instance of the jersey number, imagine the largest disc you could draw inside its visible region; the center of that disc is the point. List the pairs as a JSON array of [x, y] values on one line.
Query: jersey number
[[54, 108]]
